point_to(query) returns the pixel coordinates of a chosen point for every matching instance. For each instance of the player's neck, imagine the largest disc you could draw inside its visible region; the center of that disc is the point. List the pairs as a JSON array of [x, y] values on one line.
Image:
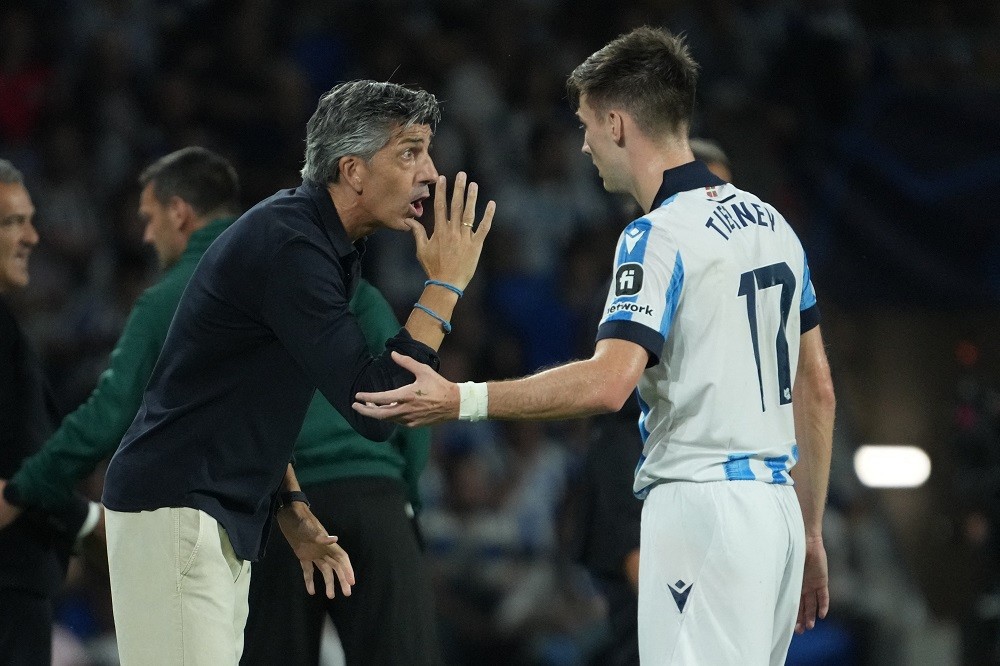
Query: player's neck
[[648, 161]]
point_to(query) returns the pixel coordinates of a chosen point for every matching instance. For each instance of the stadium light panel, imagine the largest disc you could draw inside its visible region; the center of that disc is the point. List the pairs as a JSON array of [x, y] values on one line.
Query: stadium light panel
[[891, 466]]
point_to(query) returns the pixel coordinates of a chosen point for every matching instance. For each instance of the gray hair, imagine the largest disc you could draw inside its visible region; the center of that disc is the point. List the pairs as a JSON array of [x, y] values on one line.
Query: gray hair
[[9, 175], [358, 118]]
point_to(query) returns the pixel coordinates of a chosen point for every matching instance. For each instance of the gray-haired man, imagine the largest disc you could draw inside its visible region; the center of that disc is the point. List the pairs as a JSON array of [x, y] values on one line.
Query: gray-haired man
[[263, 323], [35, 549]]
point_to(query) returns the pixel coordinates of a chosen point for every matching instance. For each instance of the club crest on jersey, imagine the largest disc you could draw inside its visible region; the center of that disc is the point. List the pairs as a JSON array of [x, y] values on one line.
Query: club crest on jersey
[[628, 279], [712, 191]]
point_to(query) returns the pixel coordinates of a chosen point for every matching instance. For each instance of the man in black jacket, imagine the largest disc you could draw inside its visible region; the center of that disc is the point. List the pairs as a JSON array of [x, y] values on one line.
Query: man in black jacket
[[35, 550], [263, 323]]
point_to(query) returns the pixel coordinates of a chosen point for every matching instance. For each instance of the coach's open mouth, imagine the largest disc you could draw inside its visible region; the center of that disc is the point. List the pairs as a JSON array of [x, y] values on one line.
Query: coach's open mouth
[[417, 206]]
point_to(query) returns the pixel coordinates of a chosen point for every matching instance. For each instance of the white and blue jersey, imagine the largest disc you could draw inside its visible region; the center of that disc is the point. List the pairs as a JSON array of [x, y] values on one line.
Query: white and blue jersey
[[714, 284]]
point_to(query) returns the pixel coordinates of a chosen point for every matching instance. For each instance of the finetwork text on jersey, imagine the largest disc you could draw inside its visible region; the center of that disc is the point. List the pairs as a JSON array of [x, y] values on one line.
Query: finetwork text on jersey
[[631, 307]]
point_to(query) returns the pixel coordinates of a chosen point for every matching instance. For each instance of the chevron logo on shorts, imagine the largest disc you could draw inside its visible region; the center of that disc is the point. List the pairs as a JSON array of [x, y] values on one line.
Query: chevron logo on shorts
[[681, 590]]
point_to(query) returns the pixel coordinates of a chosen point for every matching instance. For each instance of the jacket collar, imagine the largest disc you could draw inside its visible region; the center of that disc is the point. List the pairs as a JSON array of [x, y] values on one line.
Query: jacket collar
[[331, 220], [201, 239]]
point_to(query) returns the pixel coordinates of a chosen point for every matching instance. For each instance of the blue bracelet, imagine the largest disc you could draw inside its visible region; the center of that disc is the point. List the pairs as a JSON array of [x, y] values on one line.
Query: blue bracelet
[[449, 287], [445, 326]]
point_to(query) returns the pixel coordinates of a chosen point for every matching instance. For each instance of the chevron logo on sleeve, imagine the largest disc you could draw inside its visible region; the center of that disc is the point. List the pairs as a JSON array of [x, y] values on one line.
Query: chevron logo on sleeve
[[632, 236], [681, 590]]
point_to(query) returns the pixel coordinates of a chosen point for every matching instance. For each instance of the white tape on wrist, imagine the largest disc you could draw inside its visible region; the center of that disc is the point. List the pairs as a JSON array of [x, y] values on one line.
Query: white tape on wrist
[[473, 401]]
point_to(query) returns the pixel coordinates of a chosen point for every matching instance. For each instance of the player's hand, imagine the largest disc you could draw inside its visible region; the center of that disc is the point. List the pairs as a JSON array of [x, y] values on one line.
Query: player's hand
[[815, 599], [8, 512], [428, 400], [315, 548], [452, 252]]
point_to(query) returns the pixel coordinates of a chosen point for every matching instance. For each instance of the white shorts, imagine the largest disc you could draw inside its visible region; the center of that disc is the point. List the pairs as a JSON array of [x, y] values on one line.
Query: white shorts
[[720, 573]]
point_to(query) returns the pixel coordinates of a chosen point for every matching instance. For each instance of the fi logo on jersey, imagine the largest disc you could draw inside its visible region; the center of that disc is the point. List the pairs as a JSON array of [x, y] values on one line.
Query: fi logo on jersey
[[628, 280]]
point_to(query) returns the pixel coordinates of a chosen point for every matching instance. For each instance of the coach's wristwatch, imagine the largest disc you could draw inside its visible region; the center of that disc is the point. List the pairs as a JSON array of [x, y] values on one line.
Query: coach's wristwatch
[[288, 496]]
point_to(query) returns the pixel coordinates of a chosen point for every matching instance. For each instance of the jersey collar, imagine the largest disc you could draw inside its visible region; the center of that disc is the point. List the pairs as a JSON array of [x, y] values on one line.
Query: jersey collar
[[689, 176]]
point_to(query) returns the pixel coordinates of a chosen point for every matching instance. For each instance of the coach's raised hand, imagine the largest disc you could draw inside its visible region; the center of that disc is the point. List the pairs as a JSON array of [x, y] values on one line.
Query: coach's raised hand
[[452, 252], [449, 256]]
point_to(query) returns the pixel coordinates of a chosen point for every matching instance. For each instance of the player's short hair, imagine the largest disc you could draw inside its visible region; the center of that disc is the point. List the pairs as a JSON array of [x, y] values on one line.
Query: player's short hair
[[9, 174], [205, 180], [358, 118], [649, 73]]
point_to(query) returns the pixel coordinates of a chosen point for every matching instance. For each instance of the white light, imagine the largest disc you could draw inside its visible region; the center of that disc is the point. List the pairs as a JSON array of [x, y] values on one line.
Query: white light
[[891, 466]]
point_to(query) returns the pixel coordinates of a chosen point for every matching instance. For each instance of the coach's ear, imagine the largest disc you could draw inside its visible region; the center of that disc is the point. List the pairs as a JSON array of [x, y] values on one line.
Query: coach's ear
[[353, 172]]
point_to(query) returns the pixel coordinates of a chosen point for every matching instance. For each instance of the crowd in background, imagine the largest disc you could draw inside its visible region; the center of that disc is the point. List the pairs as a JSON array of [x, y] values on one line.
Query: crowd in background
[[872, 126]]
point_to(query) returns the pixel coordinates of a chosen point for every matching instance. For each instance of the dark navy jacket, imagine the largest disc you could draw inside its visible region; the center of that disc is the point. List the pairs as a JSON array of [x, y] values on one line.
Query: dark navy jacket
[[263, 322], [34, 549]]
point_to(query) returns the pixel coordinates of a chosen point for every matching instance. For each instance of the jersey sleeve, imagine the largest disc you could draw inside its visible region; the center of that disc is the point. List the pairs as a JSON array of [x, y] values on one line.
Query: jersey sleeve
[[808, 306], [646, 288]]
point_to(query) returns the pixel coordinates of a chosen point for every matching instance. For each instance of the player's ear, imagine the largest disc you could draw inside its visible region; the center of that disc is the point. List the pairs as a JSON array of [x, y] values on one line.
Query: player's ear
[[616, 125]]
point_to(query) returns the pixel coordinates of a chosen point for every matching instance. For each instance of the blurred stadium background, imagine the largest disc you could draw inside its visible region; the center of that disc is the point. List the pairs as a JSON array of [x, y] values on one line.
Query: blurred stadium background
[[874, 126]]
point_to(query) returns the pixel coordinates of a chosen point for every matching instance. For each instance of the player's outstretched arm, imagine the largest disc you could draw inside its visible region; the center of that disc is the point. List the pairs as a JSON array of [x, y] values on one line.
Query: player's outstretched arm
[[813, 405], [597, 385]]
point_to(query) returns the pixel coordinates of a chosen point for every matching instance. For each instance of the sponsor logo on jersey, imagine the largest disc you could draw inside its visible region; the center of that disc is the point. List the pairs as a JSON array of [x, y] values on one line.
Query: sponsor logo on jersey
[[628, 279], [631, 307], [681, 590]]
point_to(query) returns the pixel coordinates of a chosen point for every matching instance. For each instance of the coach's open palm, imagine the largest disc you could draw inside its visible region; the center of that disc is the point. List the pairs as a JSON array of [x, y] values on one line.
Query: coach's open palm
[[452, 252], [315, 548]]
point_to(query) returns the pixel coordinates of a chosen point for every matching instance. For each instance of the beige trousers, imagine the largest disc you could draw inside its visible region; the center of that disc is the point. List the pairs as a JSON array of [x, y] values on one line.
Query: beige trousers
[[178, 590]]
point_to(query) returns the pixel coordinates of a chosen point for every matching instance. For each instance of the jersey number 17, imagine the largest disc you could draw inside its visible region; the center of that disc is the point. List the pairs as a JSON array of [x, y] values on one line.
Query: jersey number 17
[[765, 278]]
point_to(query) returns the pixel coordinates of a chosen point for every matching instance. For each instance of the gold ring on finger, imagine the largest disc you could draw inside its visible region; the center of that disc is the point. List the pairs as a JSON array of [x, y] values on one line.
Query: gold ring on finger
[[467, 224]]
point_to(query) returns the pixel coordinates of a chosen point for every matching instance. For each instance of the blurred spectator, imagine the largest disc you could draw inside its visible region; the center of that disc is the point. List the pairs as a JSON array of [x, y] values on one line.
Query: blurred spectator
[[23, 77], [977, 487]]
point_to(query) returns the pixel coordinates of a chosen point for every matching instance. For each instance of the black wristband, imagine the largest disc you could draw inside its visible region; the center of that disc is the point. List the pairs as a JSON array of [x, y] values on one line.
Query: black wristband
[[288, 496]]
